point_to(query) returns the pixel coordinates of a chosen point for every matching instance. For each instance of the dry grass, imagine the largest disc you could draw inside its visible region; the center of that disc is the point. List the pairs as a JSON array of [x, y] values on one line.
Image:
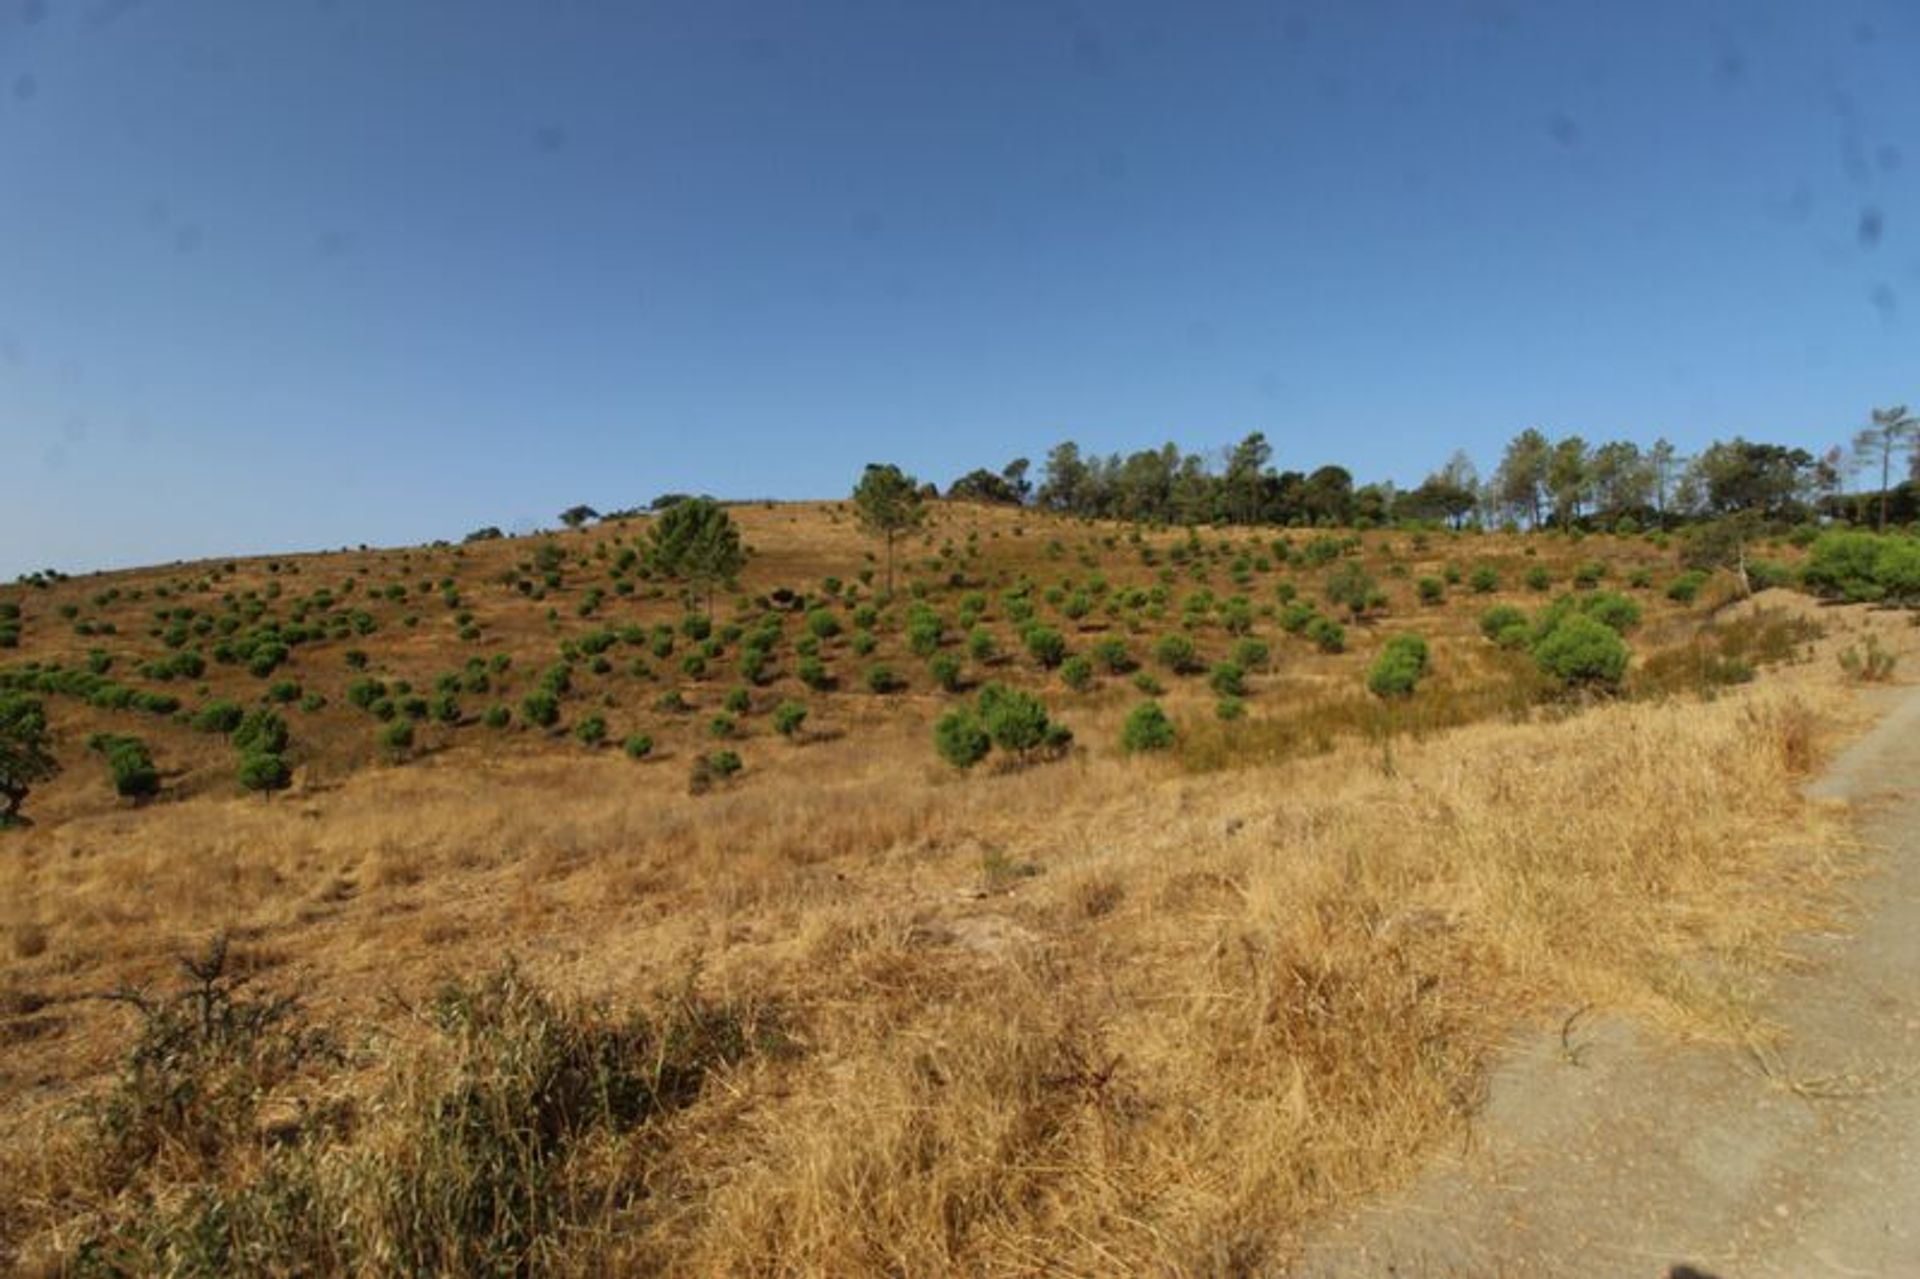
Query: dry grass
[[1101, 1017]]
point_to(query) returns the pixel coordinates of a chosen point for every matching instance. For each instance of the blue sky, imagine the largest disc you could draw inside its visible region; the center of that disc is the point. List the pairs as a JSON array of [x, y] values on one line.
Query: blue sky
[[281, 276]]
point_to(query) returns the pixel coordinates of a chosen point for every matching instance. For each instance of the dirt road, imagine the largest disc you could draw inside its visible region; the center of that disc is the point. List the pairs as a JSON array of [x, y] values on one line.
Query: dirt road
[[1616, 1155]]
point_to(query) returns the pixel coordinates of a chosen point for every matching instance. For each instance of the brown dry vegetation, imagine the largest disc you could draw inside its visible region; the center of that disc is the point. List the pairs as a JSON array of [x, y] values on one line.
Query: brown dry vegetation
[[1101, 1016]]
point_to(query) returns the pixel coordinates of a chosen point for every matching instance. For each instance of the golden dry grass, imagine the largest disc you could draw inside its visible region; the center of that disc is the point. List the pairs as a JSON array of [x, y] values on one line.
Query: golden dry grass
[[1105, 1016]]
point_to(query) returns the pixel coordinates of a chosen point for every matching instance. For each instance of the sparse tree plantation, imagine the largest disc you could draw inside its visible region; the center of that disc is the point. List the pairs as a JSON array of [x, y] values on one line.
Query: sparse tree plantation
[[892, 885]]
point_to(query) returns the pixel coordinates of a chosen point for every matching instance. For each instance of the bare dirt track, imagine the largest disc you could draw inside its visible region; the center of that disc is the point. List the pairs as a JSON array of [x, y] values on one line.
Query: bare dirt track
[[1605, 1152]]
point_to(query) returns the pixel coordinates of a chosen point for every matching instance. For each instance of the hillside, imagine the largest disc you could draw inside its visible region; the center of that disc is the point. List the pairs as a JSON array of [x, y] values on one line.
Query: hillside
[[1077, 1011]]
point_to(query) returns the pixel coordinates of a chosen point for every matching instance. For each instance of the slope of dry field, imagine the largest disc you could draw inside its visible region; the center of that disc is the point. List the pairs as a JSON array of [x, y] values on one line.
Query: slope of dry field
[[1100, 1015]]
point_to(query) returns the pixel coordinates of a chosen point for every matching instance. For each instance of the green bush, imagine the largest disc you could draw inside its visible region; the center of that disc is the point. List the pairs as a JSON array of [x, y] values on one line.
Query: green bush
[[283, 692], [497, 716], [218, 716], [129, 764], [1229, 709], [736, 701], [1228, 680], [1483, 580], [881, 679], [1077, 673], [945, 669], [1399, 667], [1177, 653], [1581, 651], [788, 718], [1112, 655], [1860, 567], [1017, 721], [591, 730], [264, 771], [637, 746], [981, 646], [960, 738], [1432, 590], [541, 708], [1147, 728], [1685, 588], [1538, 579], [1327, 635], [1046, 646], [260, 732], [397, 738], [723, 726], [813, 673]]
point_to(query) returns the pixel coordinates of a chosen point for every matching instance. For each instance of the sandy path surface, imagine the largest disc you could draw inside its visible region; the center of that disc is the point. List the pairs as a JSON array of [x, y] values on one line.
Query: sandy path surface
[[1631, 1157]]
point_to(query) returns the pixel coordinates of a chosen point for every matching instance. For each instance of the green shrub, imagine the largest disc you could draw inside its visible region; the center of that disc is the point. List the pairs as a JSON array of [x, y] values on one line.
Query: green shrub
[[261, 732], [283, 691], [591, 730], [736, 701], [881, 679], [1581, 651], [497, 716], [1484, 580], [1612, 610], [1077, 673], [1538, 579], [864, 642], [788, 717], [1046, 646], [1147, 728], [1588, 575], [1327, 635], [945, 669], [1399, 667], [219, 716], [1432, 590], [1112, 655], [723, 726], [129, 765], [264, 771], [1685, 588], [1859, 566], [1177, 653], [637, 746], [397, 738], [1228, 679], [1017, 721], [541, 708], [813, 673], [1229, 709], [1505, 625], [1148, 685], [960, 738], [981, 646]]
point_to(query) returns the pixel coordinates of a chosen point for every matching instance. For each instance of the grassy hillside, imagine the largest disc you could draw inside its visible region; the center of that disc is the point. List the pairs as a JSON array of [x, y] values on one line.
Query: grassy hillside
[[850, 1009]]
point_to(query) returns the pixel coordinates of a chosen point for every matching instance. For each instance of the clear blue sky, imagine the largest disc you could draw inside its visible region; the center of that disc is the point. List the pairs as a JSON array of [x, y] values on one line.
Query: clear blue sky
[[281, 275]]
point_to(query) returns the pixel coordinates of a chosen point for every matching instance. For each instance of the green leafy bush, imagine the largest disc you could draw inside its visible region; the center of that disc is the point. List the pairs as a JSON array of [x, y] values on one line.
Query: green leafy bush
[[1399, 667], [1327, 635], [219, 716], [1860, 567], [637, 746], [1580, 651], [591, 730], [1685, 588], [1046, 646], [264, 771], [1077, 673], [960, 738], [1505, 625], [1177, 653], [788, 717], [397, 738], [1147, 728], [260, 732], [541, 708], [497, 716], [1228, 679], [129, 765]]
